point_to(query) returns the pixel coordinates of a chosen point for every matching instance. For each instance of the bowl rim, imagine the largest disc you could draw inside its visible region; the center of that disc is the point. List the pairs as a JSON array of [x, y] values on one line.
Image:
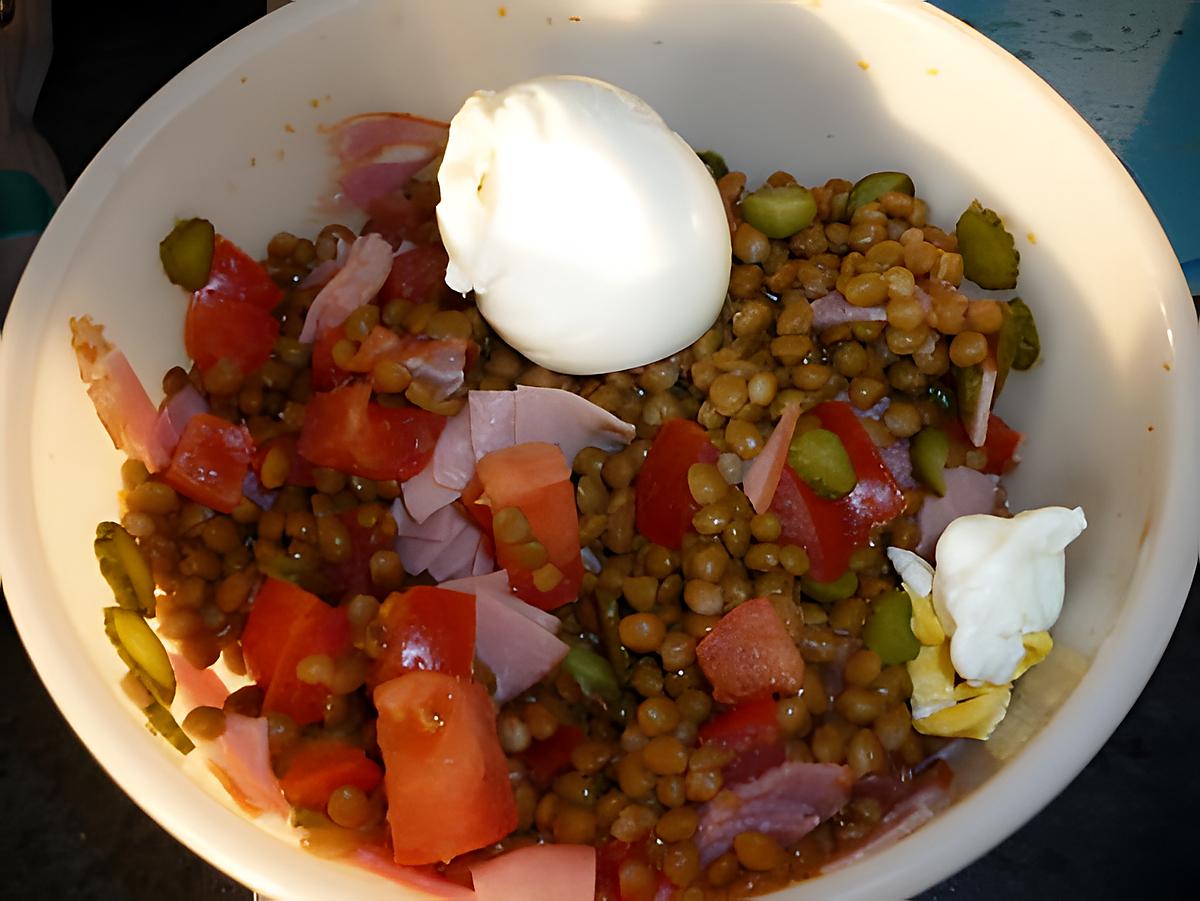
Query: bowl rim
[[1077, 730]]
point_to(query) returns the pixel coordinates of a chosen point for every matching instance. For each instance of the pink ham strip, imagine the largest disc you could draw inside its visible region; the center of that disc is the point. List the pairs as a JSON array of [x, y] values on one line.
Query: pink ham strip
[[762, 475], [324, 271], [240, 760], [423, 496], [967, 492], [425, 883], [363, 136], [786, 802], [121, 402], [441, 482], [977, 428], [902, 820], [197, 687], [483, 562], [833, 309], [457, 557], [493, 421], [366, 183], [511, 637], [568, 420], [179, 408], [367, 267], [538, 873], [446, 544]]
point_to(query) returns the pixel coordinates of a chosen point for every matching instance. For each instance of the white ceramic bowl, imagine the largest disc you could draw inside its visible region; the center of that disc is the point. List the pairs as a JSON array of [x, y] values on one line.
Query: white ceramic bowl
[[821, 89]]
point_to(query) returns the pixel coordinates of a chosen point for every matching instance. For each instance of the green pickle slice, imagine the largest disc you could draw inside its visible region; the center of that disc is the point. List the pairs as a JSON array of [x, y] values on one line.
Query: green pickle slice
[[819, 457], [969, 385], [187, 253], [839, 589], [124, 568], [714, 162], [888, 630], [779, 212], [990, 258], [929, 450], [160, 722], [142, 652], [593, 673], [871, 187]]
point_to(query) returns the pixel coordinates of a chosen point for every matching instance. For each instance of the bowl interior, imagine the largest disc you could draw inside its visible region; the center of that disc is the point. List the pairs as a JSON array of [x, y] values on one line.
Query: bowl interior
[[821, 90]]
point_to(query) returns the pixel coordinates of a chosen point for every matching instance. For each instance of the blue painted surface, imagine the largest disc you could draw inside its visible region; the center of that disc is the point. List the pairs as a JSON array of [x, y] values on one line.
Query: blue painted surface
[[1132, 69]]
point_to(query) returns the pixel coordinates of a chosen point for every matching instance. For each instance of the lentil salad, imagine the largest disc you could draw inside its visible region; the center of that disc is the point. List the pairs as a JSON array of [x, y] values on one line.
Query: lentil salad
[[288, 564]]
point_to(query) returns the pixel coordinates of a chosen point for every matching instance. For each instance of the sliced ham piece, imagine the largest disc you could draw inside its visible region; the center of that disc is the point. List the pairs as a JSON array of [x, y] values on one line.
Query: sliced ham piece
[[438, 362], [786, 802], [197, 687], [120, 400], [538, 873], [356, 283], [417, 880], [445, 545], [240, 760], [514, 639], [564, 418], [833, 309], [441, 482], [977, 427], [762, 475], [423, 496], [493, 421], [967, 492], [175, 413], [381, 152], [324, 271], [897, 458], [927, 796], [484, 563]]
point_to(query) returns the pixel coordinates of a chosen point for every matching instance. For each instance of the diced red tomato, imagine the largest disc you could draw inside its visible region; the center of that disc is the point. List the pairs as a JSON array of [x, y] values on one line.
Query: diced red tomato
[[665, 506], [344, 429], [287, 624], [326, 374], [301, 471], [405, 215], [418, 275], [749, 654], [1001, 444], [352, 575], [751, 732], [427, 628], [230, 317], [481, 513], [552, 872], [546, 758], [446, 775], [318, 768], [534, 478], [830, 530], [235, 276], [211, 461]]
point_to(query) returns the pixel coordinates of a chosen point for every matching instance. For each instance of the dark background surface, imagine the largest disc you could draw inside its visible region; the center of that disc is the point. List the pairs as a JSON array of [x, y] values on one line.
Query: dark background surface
[[1127, 826]]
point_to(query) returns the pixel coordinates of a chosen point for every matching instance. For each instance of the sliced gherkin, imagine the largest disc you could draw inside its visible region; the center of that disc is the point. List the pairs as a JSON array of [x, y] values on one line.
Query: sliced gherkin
[[142, 652], [888, 630], [160, 721], [989, 254], [1028, 344], [819, 457], [929, 450], [779, 212], [714, 162], [593, 673], [839, 589], [124, 568], [969, 384], [871, 187], [187, 252]]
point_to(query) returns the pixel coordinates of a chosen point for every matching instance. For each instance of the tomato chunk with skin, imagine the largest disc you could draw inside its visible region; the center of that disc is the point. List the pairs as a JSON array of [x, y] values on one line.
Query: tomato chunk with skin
[[557, 872], [830, 530], [230, 317], [426, 628], [750, 731], [664, 502], [539, 547], [287, 624], [344, 429], [210, 462], [318, 768], [749, 654], [418, 275], [445, 773]]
